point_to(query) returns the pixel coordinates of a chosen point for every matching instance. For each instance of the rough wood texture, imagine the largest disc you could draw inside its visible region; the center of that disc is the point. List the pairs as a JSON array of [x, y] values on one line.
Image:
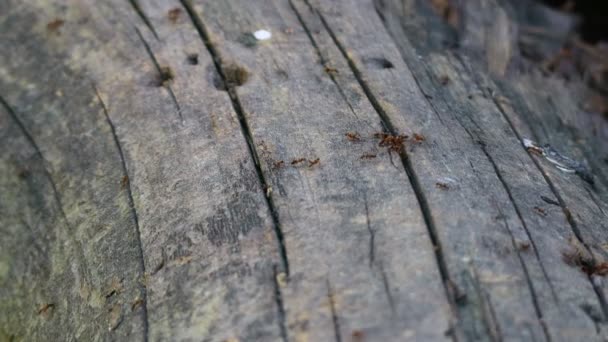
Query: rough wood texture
[[360, 176]]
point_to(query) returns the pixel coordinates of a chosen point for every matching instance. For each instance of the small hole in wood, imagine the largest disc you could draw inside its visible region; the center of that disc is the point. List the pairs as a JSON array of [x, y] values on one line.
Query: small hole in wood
[[174, 14], [248, 40], [166, 76], [192, 58], [379, 63], [234, 75]]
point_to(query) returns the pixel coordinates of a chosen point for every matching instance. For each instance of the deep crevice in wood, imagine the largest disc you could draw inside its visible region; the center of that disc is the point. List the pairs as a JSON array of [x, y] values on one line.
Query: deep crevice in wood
[[32, 142], [529, 282], [278, 298], [372, 233], [489, 314], [142, 15], [595, 201], [322, 59], [164, 75], [334, 314], [412, 177], [387, 290], [123, 165], [238, 108], [56, 197]]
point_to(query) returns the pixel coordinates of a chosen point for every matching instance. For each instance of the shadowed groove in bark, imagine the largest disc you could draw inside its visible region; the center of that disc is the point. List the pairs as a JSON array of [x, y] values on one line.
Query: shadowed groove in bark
[[334, 314], [238, 108], [596, 202], [485, 304], [412, 177], [142, 15], [32, 142], [372, 234], [57, 198], [278, 297], [133, 210], [387, 290], [161, 73], [322, 59], [521, 260]]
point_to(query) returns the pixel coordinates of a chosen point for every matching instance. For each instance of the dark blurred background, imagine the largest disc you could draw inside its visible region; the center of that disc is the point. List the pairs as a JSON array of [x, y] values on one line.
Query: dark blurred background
[[593, 14]]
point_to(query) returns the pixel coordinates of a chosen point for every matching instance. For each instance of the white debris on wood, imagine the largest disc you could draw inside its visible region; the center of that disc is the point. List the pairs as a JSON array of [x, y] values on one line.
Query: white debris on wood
[[528, 143], [560, 161], [447, 180], [262, 35]]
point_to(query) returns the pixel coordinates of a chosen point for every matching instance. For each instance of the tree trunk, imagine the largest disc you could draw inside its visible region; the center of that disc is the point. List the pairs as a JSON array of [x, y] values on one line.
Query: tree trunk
[[361, 175]]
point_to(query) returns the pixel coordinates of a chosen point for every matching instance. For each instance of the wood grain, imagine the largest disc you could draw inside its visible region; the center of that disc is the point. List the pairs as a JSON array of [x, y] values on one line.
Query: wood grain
[[360, 175]]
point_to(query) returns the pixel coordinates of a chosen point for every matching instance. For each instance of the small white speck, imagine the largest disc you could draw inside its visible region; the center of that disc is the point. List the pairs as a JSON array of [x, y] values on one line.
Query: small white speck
[[528, 143], [262, 35]]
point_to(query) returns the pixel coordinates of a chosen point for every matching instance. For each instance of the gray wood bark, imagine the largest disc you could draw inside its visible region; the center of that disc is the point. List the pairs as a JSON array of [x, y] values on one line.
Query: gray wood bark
[[166, 176]]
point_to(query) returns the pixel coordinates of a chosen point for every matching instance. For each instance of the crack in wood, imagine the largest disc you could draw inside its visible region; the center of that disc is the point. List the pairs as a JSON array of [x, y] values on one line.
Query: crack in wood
[[278, 297], [334, 314], [322, 59], [85, 268], [484, 305], [142, 15], [123, 165], [596, 202], [372, 233], [531, 288], [164, 74], [203, 32], [387, 290]]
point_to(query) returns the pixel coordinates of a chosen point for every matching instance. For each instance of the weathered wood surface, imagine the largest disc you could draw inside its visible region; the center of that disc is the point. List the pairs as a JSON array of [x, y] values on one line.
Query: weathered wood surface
[[165, 176]]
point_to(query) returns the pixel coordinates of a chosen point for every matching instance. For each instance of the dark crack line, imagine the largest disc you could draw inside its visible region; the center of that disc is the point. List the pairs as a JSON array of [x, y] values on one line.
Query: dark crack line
[[596, 202], [523, 222], [159, 69], [238, 108], [322, 59], [387, 290], [38, 152], [529, 282], [539, 313], [47, 173], [406, 163], [278, 298], [334, 314], [142, 15], [487, 309], [133, 210], [372, 234], [562, 204]]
